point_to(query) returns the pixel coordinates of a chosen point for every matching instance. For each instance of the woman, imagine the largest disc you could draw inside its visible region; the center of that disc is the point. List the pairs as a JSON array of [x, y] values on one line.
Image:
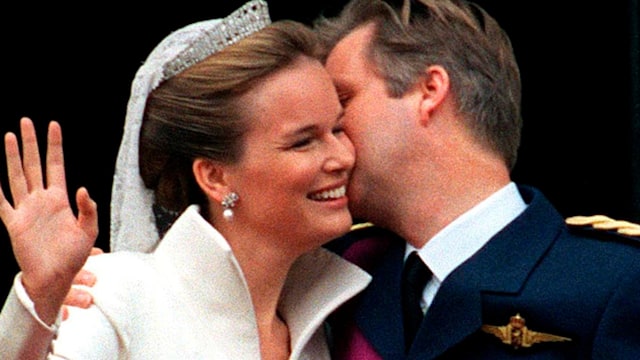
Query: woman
[[234, 125]]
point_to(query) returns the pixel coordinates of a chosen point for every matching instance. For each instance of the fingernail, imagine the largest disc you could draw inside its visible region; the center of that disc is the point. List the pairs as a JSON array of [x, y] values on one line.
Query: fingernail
[[86, 299], [87, 278]]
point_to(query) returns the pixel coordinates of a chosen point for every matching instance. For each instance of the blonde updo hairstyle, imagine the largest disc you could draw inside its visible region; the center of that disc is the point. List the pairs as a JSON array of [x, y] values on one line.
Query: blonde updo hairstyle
[[200, 112]]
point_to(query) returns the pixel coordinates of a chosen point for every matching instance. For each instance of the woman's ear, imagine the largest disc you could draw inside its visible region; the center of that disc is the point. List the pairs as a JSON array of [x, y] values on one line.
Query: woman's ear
[[210, 176], [434, 87]]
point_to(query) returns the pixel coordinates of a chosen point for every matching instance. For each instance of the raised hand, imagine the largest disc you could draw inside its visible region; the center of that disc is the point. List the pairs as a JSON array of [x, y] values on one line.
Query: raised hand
[[49, 242]]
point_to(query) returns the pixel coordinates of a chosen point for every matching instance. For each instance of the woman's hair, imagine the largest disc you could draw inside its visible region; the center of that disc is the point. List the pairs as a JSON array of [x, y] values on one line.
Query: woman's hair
[[200, 112], [457, 35]]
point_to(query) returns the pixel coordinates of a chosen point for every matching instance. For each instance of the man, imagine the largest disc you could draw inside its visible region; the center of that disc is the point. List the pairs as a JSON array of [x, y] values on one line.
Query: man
[[431, 92]]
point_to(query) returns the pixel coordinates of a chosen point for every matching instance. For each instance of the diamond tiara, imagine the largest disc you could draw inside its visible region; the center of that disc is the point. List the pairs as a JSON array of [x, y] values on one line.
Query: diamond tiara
[[251, 17]]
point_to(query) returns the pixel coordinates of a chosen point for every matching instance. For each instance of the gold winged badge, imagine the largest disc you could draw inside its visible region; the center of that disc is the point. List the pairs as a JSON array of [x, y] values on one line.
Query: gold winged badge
[[518, 335]]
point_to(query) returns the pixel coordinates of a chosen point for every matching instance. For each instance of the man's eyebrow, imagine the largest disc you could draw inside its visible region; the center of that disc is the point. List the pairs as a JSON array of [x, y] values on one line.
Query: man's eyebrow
[[299, 131]]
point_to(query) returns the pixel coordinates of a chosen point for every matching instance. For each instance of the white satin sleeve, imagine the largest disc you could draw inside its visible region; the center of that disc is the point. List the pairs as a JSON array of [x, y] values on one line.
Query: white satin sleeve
[[22, 333], [86, 334]]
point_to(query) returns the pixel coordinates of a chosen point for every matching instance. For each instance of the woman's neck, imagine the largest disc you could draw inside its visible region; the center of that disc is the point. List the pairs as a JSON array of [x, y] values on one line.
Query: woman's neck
[[265, 268], [265, 277], [275, 342]]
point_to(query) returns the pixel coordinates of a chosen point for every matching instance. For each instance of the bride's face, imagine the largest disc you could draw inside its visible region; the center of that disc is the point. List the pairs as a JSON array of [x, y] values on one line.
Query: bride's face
[[296, 161]]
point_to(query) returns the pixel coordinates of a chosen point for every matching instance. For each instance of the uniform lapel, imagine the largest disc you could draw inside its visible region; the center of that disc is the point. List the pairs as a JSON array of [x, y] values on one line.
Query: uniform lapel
[[379, 315], [501, 266], [454, 314]]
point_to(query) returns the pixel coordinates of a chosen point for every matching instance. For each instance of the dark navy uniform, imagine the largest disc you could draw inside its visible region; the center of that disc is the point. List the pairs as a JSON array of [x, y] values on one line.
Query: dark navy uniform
[[539, 289]]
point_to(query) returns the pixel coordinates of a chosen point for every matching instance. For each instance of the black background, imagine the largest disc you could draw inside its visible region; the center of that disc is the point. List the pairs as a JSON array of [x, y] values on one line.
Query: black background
[[578, 64]]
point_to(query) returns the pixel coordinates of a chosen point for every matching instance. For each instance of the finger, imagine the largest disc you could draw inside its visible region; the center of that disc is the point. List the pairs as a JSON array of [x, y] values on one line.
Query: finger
[[85, 277], [3, 201], [78, 298], [17, 182], [87, 213], [55, 157], [96, 251], [5, 207], [30, 155], [65, 313]]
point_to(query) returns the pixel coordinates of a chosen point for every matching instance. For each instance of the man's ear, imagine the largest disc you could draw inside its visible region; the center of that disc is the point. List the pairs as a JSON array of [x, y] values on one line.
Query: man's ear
[[210, 176], [434, 87]]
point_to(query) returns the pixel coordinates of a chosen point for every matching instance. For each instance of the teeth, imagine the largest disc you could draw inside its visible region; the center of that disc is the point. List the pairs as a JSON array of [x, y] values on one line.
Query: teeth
[[330, 194]]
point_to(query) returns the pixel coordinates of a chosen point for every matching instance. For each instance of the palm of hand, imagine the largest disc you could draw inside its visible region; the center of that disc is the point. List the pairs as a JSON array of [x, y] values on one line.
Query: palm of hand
[[47, 239], [49, 242]]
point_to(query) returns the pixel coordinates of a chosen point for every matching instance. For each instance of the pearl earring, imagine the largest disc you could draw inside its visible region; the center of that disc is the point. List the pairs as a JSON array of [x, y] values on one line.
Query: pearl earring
[[227, 203]]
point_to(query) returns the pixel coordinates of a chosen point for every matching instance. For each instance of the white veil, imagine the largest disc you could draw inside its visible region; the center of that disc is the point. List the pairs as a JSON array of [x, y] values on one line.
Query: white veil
[[133, 225]]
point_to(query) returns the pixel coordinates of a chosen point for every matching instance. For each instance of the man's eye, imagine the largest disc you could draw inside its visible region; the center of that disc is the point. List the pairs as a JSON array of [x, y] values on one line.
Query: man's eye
[[344, 97], [301, 143]]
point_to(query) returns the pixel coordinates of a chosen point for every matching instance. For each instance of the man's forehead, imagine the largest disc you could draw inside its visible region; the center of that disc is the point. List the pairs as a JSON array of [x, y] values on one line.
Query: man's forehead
[[347, 60], [355, 41]]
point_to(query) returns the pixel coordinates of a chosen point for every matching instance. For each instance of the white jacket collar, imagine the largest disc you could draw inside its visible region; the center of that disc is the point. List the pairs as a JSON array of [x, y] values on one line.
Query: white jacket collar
[[318, 283]]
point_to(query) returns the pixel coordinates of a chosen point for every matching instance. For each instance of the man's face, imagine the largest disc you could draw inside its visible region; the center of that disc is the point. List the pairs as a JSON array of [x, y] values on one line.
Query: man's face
[[374, 122]]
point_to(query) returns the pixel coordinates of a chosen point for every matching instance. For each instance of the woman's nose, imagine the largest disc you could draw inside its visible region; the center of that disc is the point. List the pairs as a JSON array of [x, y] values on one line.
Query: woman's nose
[[343, 154]]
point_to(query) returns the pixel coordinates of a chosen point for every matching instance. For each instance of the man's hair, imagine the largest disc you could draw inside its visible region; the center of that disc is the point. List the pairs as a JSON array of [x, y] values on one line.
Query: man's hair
[[457, 35]]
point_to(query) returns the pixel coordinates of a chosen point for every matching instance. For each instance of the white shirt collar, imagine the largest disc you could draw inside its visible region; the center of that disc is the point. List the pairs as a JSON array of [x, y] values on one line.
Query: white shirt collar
[[464, 236]]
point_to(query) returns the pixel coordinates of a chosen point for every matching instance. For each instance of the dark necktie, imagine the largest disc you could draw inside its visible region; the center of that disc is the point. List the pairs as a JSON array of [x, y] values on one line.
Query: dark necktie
[[415, 276]]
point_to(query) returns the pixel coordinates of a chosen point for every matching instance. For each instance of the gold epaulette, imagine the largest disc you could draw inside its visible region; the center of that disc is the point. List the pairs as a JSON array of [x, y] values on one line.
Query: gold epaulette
[[602, 222], [362, 225]]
